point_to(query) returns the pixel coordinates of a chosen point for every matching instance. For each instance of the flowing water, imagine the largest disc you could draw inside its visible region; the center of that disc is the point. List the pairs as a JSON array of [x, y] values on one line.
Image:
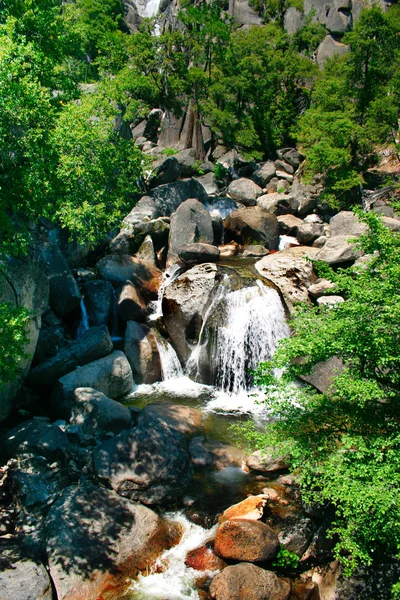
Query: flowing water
[[240, 328], [171, 578], [170, 366], [84, 324], [169, 276]]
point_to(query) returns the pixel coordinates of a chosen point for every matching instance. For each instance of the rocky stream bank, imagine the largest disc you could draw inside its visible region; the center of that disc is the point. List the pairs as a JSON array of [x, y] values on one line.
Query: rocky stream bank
[[118, 475]]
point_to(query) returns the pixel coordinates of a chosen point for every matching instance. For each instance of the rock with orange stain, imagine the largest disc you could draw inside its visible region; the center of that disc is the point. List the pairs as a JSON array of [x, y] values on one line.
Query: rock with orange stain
[[252, 508], [242, 539], [96, 540], [204, 559], [117, 269], [248, 582]]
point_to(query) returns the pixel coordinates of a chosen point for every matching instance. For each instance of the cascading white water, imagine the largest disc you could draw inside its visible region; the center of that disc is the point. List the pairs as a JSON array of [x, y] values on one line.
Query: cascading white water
[[254, 322], [84, 324], [147, 8], [170, 366], [169, 276], [221, 207], [176, 581]]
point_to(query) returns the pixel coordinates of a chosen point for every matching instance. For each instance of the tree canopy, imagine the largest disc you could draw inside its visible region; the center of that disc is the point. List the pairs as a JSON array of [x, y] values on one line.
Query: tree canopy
[[344, 445]]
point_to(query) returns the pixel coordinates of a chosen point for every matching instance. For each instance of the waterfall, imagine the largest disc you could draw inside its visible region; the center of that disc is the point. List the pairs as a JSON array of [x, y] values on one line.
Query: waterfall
[[169, 276], [170, 577], [250, 323], [170, 366], [84, 324], [254, 323]]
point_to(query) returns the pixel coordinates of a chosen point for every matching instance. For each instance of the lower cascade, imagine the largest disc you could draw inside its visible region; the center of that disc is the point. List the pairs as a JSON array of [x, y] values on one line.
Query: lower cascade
[[240, 329], [254, 324], [171, 578]]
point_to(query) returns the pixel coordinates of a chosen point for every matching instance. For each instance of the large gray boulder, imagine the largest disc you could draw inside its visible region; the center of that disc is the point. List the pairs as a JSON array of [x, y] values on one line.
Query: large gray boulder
[[130, 303], [64, 292], [243, 13], [338, 250], [90, 346], [149, 463], [168, 197], [339, 19], [21, 577], [35, 437], [22, 285], [264, 173], [142, 352], [96, 414], [199, 253], [294, 20], [346, 223], [323, 374], [244, 191], [165, 171], [191, 223], [99, 301], [308, 232], [248, 582], [252, 224], [96, 541], [291, 271], [111, 375], [328, 48]]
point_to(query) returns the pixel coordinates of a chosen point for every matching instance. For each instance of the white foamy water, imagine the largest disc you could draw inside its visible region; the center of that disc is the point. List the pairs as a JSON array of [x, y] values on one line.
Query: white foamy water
[[170, 365], [251, 328], [176, 581], [84, 324], [287, 241], [169, 276]]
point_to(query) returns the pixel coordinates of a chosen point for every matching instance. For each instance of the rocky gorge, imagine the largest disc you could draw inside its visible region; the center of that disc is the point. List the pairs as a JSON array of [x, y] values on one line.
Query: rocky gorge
[[119, 478]]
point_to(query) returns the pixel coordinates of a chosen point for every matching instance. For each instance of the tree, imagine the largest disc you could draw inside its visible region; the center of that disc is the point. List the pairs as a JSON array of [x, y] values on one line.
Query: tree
[[13, 340], [344, 446], [355, 105], [95, 169]]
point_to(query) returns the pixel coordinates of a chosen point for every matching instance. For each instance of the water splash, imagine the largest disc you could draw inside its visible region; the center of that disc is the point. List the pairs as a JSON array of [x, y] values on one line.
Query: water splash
[[170, 366], [176, 581], [169, 276]]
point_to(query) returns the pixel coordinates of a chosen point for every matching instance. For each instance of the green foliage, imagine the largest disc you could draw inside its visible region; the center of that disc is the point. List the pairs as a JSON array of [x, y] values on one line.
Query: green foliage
[[355, 104], [345, 446], [220, 172], [95, 169], [13, 340], [255, 91], [27, 114], [169, 151], [285, 560]]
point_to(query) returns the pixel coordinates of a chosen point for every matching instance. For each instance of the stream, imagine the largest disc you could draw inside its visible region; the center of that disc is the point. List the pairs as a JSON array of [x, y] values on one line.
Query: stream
[[240, 328]]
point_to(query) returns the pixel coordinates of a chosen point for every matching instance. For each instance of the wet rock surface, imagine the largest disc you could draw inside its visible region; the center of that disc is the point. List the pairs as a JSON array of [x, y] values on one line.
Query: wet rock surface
[[247, 540]]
